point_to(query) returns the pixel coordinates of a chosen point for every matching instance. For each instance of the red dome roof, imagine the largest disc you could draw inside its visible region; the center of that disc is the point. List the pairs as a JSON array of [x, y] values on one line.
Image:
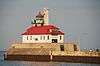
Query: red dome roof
[[42, 30]]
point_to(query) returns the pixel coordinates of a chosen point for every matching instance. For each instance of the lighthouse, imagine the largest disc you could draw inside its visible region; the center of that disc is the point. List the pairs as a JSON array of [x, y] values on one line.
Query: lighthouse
[[41, 18], [45, 42], [41, 31]]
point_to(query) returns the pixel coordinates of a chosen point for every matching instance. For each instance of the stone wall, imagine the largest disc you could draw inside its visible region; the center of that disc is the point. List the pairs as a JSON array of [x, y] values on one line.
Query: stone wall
[[75, 53], [53, 46], [71, 47]]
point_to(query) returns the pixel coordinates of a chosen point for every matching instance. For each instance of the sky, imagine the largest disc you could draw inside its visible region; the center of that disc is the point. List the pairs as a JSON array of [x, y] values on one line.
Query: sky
[[79, 19]]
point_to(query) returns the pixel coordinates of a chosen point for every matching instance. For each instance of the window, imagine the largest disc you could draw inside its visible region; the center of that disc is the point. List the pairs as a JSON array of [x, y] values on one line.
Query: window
[[41, 37], [48, 37], [36, 39], [27, 37], [30, 37], [60, 37], [44, 37]]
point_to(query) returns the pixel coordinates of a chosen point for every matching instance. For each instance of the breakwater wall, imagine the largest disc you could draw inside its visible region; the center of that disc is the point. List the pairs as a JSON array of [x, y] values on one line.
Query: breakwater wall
[[54, 58]]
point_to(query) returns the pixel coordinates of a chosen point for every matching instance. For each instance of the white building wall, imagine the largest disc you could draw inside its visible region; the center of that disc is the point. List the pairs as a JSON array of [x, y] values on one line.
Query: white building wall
[[42, 38]]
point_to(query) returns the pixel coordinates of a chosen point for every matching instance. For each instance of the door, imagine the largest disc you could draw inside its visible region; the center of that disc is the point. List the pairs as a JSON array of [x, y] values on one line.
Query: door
[[61, 47], [54, 40]]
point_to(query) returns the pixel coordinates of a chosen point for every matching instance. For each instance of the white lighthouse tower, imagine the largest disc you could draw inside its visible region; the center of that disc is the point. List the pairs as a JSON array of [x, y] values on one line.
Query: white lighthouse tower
[[41, 18], [46, 17]]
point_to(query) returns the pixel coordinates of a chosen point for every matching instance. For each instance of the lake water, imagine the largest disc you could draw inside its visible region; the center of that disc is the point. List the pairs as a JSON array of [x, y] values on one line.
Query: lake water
[[30, 63]]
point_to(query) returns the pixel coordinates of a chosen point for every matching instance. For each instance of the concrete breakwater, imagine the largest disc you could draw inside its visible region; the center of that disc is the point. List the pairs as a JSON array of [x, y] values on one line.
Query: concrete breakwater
[[55, 58], [51, 52], [45, 54]]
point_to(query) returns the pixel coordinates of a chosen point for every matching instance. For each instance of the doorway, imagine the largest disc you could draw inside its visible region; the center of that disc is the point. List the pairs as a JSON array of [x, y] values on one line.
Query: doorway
[[61, 47], [54, 40]]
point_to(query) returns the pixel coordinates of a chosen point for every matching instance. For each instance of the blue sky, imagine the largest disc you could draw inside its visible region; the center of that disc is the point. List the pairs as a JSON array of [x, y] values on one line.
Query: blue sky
[[79, 19]]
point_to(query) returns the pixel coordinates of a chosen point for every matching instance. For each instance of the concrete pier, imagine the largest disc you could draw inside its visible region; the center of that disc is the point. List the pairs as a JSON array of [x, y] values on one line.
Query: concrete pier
[[50, 52]]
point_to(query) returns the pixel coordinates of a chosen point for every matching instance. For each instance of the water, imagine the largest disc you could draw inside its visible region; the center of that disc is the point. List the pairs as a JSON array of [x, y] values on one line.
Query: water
[[30, 63]]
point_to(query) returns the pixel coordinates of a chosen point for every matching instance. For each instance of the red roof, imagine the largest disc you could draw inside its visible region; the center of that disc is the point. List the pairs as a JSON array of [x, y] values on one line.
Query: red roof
[[41, 30]]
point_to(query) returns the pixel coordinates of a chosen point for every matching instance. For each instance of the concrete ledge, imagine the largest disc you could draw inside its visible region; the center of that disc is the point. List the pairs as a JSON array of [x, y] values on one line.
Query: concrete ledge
[[57, 58]]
